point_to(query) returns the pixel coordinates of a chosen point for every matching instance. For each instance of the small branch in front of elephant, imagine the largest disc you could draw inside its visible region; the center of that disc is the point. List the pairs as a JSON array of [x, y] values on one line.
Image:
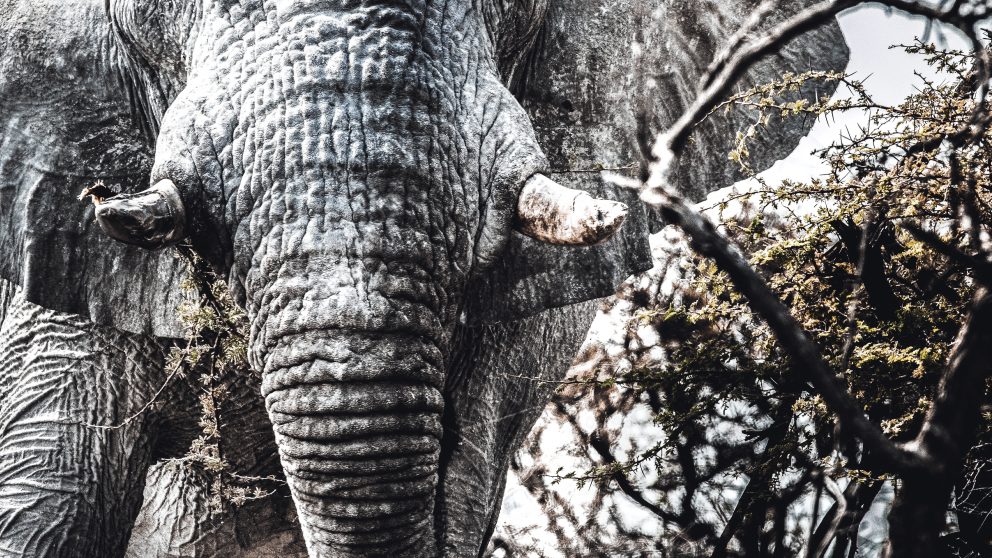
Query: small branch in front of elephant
[[215, 357], [212, 290], [636, 377], [737, 40], [731, 71], [255, 478], [564, 382], [249, 490], [499, 419], [538, 380], [173, 372]]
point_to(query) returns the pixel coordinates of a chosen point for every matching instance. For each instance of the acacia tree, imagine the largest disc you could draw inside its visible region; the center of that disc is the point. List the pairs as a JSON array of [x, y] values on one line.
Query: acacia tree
[[833, 350]]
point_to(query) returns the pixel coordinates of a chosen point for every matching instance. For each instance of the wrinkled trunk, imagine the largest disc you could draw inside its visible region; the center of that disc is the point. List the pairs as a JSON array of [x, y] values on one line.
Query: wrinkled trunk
[[348, 301], [357, 421]]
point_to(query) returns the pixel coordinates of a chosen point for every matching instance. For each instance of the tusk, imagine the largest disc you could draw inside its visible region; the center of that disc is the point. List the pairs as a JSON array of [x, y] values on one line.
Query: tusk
[[552, 213], [152, 219]]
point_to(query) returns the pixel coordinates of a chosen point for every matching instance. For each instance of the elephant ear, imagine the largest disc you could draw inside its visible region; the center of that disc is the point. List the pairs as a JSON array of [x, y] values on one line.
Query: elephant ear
[[72, 115], [600, 71]]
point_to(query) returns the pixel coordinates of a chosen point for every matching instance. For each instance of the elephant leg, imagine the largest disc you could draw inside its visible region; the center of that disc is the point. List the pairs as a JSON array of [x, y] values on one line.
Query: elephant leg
[[179, 517], [499, 383], [177, 521], [70, 485]]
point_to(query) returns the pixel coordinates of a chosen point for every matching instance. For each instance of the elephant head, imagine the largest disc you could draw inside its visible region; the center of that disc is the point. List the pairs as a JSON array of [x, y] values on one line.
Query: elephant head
[[355, 168], [359, 172]]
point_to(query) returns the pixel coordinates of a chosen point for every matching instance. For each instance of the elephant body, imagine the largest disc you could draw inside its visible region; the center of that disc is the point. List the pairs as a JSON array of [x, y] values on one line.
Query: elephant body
[[93, 405], [353, 168]]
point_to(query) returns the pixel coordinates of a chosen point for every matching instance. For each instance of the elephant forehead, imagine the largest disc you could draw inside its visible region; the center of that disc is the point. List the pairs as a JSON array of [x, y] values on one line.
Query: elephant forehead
[[364, 25], [355, 127]]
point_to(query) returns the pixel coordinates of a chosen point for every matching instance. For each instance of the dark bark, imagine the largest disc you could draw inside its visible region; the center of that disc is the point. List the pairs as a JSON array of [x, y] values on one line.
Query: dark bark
[[917, 516], [877, 247]]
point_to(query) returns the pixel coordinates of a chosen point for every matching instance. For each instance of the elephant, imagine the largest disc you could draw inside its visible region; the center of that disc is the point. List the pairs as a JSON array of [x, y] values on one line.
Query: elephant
[[396, 192], [118, 437]]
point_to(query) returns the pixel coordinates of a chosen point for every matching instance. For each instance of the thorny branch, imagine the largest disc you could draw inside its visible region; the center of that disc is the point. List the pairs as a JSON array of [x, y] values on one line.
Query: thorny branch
[[725, 73], [706, 239]]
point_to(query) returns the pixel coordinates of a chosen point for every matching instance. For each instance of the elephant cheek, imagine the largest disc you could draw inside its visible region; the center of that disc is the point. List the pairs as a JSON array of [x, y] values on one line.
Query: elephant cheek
[[357, 418]]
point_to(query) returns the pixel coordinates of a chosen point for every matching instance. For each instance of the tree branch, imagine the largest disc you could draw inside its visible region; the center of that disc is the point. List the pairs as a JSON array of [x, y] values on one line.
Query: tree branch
[[952, 421], [804, 353], [981, 269], [719, 86]]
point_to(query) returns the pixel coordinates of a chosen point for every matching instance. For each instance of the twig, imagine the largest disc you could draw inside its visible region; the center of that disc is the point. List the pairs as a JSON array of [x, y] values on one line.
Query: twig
[[596, 169], [144, 408], [981, 269], [804, 353]]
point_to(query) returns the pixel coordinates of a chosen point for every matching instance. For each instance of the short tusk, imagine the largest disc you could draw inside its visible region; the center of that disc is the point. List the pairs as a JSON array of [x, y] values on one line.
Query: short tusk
[[154, 218], [552, 213]]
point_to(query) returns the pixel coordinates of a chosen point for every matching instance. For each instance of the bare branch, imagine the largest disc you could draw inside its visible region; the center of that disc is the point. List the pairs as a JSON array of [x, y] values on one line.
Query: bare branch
[[602, 447], [735, 68]]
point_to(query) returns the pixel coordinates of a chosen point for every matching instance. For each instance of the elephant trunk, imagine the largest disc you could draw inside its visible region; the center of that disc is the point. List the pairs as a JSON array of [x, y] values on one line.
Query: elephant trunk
[[357, 418], [353, 243]]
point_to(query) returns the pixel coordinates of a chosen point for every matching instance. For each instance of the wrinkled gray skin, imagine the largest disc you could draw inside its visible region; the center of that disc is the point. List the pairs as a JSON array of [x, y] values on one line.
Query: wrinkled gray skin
[[352, 167]]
